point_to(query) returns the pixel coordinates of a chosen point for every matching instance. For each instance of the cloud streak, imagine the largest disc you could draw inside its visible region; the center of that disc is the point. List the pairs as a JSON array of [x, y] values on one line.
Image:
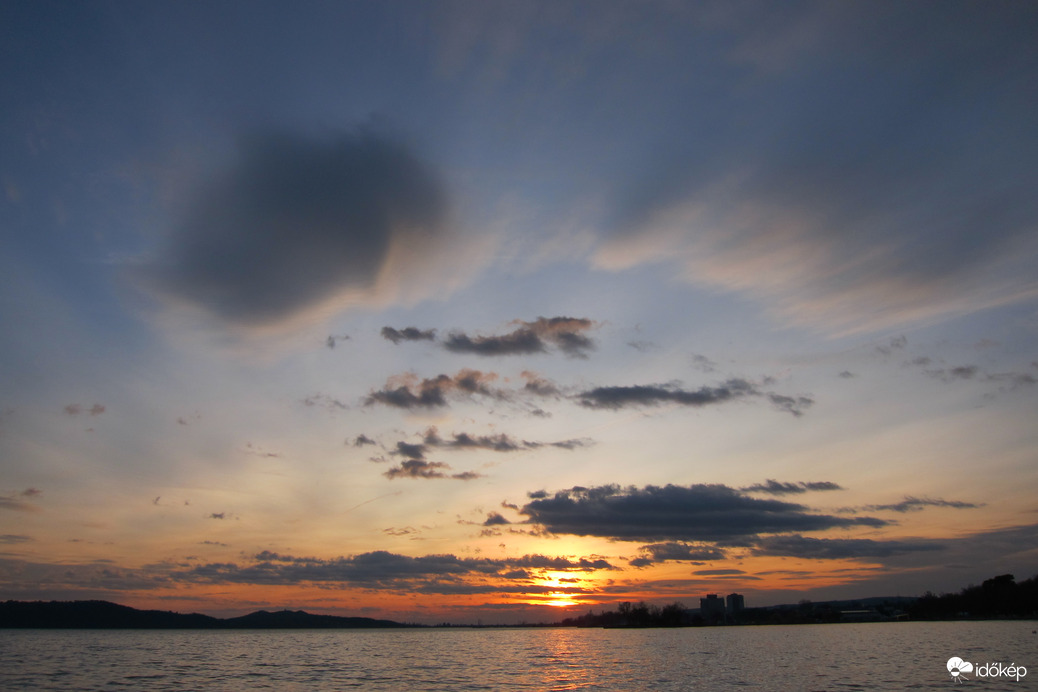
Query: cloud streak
[[618, 397]]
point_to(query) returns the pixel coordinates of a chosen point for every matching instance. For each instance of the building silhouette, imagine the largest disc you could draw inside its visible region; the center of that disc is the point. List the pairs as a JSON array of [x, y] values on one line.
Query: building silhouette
[[711, 608], [736, 603]]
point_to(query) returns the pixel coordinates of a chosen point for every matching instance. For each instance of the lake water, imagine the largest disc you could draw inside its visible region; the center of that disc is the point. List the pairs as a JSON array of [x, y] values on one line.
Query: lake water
[[867, 656]]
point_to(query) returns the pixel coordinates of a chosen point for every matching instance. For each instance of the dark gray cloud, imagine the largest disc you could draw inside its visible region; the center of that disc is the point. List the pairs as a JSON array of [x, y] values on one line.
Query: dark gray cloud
[[654, 395], [673, 551], [564, 333], [362, 440], [384, 570], [408, 392], [790, 404], [411, 451], [774, 487], [419, 468], [495, 519], [676, 513], [408, 334], [617, 397], [913, 504], [839, 548], [295, 221]]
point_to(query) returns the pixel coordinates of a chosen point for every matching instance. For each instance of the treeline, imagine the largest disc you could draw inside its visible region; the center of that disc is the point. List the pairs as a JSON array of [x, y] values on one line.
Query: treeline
[[639, 614], [998, 597]]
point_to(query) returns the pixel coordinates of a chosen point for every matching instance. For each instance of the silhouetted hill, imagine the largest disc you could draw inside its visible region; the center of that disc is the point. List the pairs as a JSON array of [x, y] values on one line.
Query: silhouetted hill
[[105, 615], [287, 619]]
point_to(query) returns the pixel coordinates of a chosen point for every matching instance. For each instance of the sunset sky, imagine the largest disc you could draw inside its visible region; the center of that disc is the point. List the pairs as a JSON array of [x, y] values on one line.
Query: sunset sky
[[505, 311]]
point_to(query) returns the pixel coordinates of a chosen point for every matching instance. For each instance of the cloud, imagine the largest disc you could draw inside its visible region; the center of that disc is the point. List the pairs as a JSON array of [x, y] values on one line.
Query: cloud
[[703, 364], [672, 551], [324, 401], [913, 504], [408, 334], [384, 570], [564, 333], [77, 409], [419, 468], [675, 513], [801, 201], [774, 487], [495, 519], [790, 404], [408, 392], [500, 442], [362, 440], [11, 538], [537, 385], [333, 339], [654, 395], [411, 451], [15, 501], [295, 224], [839, 548]]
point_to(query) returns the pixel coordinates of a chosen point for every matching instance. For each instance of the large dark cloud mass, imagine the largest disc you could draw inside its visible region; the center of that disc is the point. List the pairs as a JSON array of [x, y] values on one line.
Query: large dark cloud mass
[[676, 513], [296, 221]]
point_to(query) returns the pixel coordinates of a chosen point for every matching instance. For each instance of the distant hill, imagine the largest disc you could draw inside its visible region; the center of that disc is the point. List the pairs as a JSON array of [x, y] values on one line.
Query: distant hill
[[106, 615]]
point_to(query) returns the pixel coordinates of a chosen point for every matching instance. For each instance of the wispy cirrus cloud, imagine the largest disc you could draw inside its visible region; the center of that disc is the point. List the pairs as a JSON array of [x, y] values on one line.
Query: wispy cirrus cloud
[[773, 487], [801, 204]]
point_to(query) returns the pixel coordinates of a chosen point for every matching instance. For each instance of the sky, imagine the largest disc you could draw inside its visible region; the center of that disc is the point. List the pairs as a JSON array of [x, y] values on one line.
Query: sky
[[508, 311]]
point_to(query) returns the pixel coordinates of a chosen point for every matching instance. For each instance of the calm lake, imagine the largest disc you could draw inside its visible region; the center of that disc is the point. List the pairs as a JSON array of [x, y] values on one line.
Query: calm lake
[[868, 656]]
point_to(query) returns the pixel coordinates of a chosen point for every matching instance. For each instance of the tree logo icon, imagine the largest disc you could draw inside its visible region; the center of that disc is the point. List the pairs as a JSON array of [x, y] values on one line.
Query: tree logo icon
[[956, 666]]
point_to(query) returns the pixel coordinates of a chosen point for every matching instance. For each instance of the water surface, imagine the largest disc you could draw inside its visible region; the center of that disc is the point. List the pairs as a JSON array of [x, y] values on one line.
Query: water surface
[[867, 656]]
